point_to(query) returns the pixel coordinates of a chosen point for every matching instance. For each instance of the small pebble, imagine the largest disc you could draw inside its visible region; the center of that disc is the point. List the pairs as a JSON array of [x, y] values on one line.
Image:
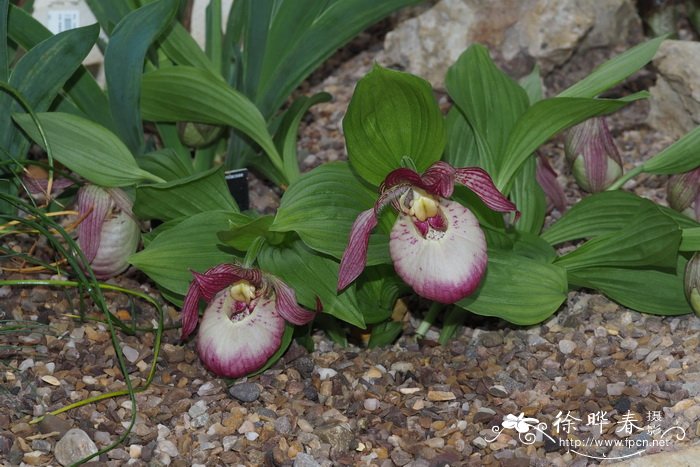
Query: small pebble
[[567, 346], [439, 396], [305, 460], [52, 380], [245, 392], [208, 389], [130, 353], [498, 391], [480, 442], [326, 373], [73, 446], [371, 404]]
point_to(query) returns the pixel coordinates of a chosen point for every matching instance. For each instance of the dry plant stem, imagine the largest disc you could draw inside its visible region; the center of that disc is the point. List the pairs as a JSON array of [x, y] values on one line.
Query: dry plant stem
[[69, 228]]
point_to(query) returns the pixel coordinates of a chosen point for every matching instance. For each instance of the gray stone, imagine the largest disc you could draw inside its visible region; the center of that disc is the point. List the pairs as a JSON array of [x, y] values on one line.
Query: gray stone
[[282, 425], [305, 460], [674, 105], [484, 414], [567, 346], [338, 435], [54, 424], [519, 32], [245, 392], [665, 459], [400, 457], [74, 446]]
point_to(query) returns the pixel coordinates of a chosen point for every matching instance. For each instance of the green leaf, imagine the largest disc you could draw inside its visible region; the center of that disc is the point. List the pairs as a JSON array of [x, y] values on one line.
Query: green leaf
[[528, 196], [532, 84], [615, 70], [518, 289], [650, 239], [543, 120], [4, 49], [691, 239], [88, 149], [392, 115], [286, 134], [534, 247], [645, 290], [488, 98], [205, 191], [603, 213], [188, 94], [110, 13], [290, 60], [242, 236], [312, 275], [377, 291], [166, 164], [39, 75], [681, 156], [83, 90], [124, 59], [384, 334], [462, 149], [190, 245], [322, 206], [182, 49]]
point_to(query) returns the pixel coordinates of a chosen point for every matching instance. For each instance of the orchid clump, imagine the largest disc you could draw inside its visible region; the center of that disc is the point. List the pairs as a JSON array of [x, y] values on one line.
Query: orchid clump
[[437, 245], [244, 321]]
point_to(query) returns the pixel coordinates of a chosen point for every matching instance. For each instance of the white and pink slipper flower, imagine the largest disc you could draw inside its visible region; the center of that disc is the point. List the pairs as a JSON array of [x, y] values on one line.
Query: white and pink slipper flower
[[436, 245], [244, 321]]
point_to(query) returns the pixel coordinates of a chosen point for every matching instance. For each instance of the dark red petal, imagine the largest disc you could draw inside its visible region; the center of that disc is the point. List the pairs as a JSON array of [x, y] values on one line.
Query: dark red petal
[[355, 255], [402, 176], [190, 310], [287, 305], [547, 178], [219, 277], [439, 179], [477, 180], [95, 204]]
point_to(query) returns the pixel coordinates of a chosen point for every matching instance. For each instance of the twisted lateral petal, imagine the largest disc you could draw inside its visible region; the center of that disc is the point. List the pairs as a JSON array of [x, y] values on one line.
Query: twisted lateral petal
[[402, 176], [439, 179], [287, 305], [547, 178], [190, 310], [235, 347], [95, 204], [445, 266], [219, 277], [480, 182], [355, 255]]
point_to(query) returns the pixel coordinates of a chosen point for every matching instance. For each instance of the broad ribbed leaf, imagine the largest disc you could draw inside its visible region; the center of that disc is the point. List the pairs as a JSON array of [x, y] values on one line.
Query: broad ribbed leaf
[[615, 70], [681, 156], [39, 75], [645, 290], [124, 66], [189, 246], [377, 291], [182, 49], [322, 206], [339, 22], [462, 149], [529, 197], [166, 164], [312, 276], [488, 98], [518, 289], [4, 49], [603, 213], [110, 13], [392, 115], [691, 239], [205, 191], [545, 119], [532, 84], [83, 91], [188, 94], [241, 237], [88, 149], [649, 239]]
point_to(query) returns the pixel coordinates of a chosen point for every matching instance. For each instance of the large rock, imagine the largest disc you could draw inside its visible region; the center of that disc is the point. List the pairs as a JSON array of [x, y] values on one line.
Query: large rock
[[675, 99], [519, 33], [74, 446]]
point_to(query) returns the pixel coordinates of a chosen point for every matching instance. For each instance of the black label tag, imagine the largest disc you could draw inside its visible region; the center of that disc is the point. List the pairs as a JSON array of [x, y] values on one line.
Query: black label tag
[[237, 181]]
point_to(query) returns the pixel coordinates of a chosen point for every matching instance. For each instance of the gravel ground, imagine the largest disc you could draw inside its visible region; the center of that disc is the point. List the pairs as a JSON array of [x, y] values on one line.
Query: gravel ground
[[411, 404]]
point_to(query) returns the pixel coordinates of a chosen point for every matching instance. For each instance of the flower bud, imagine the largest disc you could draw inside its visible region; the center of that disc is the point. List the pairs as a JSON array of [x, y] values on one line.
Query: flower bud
[[108, 233], [197, 135], [593, 155], [692, 282], [683, 192]]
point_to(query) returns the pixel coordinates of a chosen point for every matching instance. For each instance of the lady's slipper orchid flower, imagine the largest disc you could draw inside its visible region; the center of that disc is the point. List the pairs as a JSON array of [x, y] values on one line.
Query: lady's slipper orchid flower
[[436, 244], [593, 155], [109, 233], [243, 324], [684, 193]]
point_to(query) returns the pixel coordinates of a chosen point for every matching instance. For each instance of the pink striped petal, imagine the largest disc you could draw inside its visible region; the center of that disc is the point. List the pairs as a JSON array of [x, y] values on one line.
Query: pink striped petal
[[190, 310], [95, 204], [479, 181], [547, 178], [355, 255], [402, 176], [439, 179], [219, 277], [236, 347], [287, 305], [446, 268]]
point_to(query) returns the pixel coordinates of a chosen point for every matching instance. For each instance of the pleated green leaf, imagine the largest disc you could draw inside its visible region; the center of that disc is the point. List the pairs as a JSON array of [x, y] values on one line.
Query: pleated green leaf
[[4, 49], [518, 289], [321, 208], [181, 48], [649, 239], [392, 115], [530, 199], [190, 245], [312, 275], [184, 93], [88, 149], [124, 59], [166, 164], [204, 191], [645, 290], [615, 70], [681, 156], [462, 149]]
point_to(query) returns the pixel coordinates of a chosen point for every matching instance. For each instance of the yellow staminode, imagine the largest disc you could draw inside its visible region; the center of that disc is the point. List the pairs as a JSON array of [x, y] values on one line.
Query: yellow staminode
[[242, 291], [423, 206]]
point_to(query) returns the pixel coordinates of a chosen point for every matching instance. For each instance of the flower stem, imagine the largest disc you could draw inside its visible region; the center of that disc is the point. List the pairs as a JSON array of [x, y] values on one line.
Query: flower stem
[[628, 176], [429, 319]]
